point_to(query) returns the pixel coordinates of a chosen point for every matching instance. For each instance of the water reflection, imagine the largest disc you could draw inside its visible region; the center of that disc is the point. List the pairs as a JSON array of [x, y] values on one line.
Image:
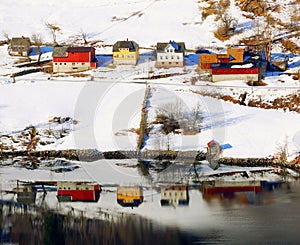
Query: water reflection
[[26, 194], [130, 196], [174, 195], [68, 191], [217, 211]]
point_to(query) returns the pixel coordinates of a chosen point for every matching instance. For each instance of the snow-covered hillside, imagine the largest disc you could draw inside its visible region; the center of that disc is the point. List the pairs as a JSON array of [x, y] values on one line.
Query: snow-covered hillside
[[107, 102]]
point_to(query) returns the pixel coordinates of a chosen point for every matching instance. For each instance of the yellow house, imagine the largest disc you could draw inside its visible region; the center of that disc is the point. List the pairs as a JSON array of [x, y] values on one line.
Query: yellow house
[[125, 53]]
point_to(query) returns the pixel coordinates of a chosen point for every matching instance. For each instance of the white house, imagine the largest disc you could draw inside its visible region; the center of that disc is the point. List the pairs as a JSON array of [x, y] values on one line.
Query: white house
[[170, 54]]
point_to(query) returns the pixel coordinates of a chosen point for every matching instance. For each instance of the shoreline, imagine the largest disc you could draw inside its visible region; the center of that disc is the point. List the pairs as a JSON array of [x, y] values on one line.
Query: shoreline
[[195, 157]]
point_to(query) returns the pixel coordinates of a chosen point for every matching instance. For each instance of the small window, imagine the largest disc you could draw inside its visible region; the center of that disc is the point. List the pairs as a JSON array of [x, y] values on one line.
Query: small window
[[178, 57], [60, 64], [73, 64], [65, 64], [176, 63], [166, 57], [170, 63], [122, 55], [163, 62], [172, 57], [82, 63], [161, 57], [55, 63], [117, 56]]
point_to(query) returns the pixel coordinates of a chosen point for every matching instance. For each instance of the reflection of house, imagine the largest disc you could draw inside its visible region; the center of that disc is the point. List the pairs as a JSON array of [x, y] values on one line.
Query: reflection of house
[[130, 196], [229, 189], [125, 53], [170, 54], [174, 195], [73, 59], [237, 64], [78, 191], [19, 46], [26, 194]]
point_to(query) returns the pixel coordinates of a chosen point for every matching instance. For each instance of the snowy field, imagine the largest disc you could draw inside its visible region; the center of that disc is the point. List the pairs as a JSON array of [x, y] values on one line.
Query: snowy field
[[106, 102]]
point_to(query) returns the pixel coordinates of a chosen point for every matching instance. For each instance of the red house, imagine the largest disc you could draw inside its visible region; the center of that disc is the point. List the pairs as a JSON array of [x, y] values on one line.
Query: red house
[[78, 191], [73, 59]]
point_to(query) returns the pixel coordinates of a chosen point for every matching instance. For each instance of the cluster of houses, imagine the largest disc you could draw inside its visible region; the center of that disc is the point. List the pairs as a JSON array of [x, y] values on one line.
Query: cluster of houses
[[239, 63]]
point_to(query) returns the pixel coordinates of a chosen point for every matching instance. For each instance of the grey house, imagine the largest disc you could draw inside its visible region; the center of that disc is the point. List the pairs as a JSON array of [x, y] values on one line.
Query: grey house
[[19, 46]]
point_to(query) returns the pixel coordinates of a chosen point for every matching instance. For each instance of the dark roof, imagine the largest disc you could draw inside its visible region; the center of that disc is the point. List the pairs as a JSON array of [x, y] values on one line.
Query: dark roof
[[131, 45], [178, 46], [20, 41], [79, 49], [59, 51]]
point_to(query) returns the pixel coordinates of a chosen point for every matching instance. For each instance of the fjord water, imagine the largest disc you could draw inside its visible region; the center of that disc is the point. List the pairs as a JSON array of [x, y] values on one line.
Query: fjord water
[[270, 216]]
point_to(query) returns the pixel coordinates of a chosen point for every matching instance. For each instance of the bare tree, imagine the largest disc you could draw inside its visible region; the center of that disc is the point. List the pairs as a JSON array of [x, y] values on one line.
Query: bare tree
[[38, 41], [84, 37], [53, 29], [6, 36], [227, 25]]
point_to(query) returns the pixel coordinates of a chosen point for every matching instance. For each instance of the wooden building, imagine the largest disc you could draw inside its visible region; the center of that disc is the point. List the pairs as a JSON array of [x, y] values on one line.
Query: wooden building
[[19, 46], [170, 54], [125, 53], [236, 71], [239, 63], [73, 59]]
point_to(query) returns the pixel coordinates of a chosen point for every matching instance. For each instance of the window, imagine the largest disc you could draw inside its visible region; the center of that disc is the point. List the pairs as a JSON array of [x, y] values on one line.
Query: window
[[166, 57], [163, 62], [170, 63], [55, 63], [82, 63], [73, 64], [172, 57], [176, 63], [122, 55], [177, 57], [117, 56], [60, 64], [161, 57], [65, 64]]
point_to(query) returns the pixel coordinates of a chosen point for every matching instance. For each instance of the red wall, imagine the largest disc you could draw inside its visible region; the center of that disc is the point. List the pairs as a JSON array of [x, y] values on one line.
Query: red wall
[[74, 57], [218, 71]]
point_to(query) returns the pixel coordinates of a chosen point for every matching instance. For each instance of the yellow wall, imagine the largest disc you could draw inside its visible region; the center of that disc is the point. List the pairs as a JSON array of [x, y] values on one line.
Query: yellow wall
[[129, 194], [126, 55]]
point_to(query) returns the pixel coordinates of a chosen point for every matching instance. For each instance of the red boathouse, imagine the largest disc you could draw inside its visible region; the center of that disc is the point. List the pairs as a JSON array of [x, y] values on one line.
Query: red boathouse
[[78, 191]]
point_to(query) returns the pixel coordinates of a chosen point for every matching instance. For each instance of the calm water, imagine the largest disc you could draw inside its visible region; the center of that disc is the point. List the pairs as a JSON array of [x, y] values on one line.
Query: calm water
[[255, 213]]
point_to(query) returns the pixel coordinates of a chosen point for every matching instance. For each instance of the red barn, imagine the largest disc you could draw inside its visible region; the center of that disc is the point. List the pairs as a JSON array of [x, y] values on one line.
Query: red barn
[[73, 59]]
